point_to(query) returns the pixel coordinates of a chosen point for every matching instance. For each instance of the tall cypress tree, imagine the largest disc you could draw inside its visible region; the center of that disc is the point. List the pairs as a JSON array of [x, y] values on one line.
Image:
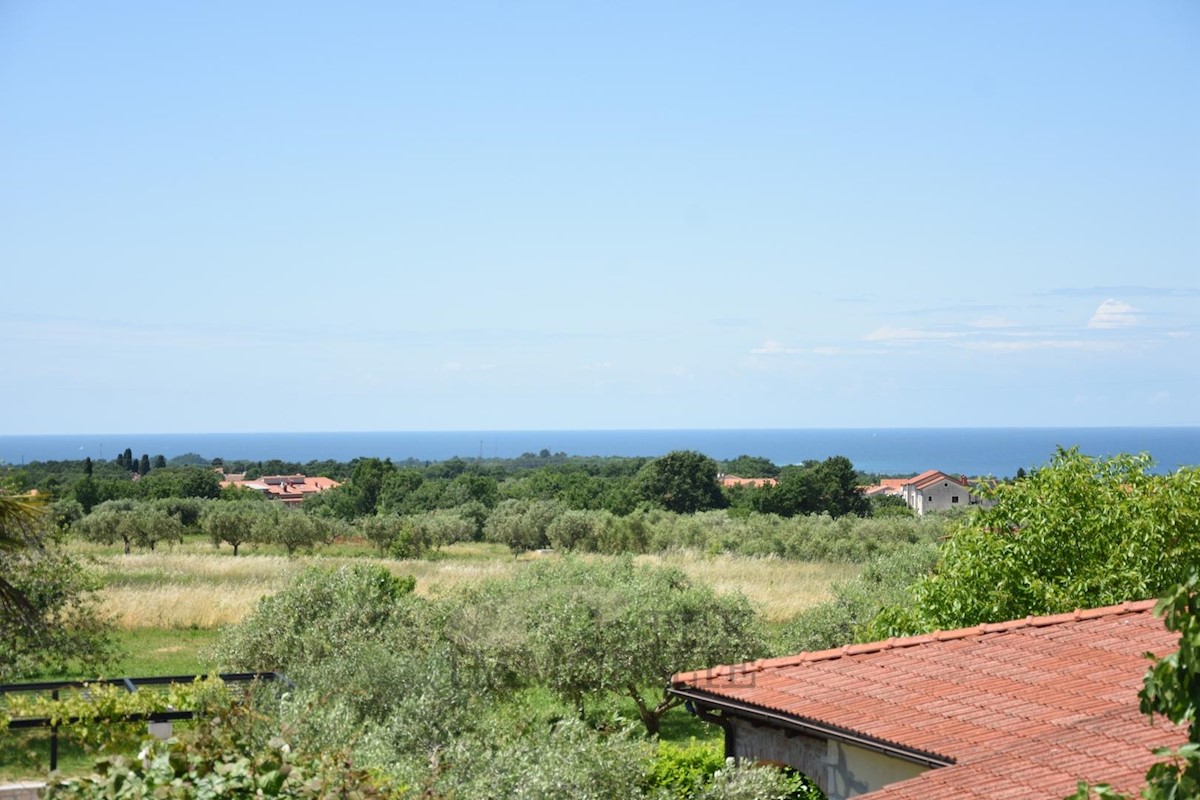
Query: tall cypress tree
[[144, 464]]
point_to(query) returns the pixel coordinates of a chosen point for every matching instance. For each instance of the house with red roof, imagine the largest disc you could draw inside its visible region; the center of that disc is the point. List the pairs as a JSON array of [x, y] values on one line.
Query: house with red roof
[[934, 490], [931, 490], [727, 481], [1020, 709], [289, 489]]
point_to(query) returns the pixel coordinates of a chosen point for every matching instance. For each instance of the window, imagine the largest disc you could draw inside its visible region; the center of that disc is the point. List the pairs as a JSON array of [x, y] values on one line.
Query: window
[[954, 499]]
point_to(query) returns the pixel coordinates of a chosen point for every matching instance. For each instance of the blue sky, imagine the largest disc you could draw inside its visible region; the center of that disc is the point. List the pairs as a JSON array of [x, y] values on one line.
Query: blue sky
[[229, 216]]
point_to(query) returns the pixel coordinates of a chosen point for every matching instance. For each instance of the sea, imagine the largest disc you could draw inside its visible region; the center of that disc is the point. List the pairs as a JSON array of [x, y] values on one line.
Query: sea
[[890, 451]]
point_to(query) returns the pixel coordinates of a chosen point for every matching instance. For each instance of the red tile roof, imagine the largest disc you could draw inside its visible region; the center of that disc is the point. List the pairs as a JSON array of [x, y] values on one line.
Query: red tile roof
[[734, 480], [924, 476], [1021, 709], [291, 489]]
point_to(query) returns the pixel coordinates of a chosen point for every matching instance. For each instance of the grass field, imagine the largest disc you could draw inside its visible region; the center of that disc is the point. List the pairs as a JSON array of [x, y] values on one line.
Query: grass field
[[194, 586], [168, 606]]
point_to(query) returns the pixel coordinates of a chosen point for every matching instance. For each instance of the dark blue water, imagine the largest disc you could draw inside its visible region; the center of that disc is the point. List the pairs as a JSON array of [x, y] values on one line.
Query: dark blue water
[[973, 451]]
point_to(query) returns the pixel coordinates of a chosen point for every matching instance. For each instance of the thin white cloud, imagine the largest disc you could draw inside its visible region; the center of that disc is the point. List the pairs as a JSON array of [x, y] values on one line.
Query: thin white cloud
[[994, 322], [1025, 345], [1127, 291], [458, 367], [773, 347], [1113, 314], [895, 335]]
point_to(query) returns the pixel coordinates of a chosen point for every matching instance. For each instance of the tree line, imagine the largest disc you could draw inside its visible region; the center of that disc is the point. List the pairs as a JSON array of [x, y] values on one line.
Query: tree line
[[680, 481]]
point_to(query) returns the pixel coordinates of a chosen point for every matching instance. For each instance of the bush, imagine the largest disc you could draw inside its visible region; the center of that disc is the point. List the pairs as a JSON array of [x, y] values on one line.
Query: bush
[[1079, 532], [185, 509], [384, 531], [679, 771], [522, 524], [749, 781], [68, 632], [394, 703], [319, 614], [446, 526], [586, 629], [568, 760], [220, 757], [844, 619], [575, 530]]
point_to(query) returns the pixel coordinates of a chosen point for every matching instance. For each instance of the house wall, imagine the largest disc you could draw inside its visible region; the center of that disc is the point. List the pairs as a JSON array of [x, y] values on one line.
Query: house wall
[[761, 743], [841, 770], [852, 771], [940, 497]]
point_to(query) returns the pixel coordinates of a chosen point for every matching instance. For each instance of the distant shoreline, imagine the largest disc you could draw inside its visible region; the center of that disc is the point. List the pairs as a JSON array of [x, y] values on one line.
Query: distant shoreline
[[972, 451]]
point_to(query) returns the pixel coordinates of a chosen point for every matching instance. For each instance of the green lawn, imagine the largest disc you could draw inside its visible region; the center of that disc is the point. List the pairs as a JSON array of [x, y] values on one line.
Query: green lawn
[[152, 651]]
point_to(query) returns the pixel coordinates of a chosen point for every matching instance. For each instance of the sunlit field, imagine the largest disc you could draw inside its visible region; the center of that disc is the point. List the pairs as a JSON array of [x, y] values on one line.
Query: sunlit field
[[194, 585]]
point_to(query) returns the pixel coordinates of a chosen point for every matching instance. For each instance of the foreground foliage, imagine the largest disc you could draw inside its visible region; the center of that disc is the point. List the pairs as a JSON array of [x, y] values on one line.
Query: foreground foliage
[[847, 617], [589, 629], [436, 694], [1080, 532], [49, 617], [230, 754], [1172, 689]]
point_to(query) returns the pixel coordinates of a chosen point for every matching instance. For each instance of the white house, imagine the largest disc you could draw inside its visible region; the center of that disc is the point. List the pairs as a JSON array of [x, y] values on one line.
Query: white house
[[934, 490]]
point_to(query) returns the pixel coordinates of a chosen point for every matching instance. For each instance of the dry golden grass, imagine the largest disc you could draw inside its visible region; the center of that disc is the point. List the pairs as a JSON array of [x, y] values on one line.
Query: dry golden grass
[[187, 587], [195, 586], [175, 607], [778, 589]]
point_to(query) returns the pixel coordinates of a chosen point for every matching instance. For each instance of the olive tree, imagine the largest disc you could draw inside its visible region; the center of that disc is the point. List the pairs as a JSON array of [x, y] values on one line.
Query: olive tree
[[522, 524], [291, 529], [233, 523], [320, 613], [618, 627], [148, 526], [107, 523]]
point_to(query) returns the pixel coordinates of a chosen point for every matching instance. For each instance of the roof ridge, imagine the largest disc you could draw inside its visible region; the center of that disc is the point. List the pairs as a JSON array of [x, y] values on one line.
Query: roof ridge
[[731, 671]]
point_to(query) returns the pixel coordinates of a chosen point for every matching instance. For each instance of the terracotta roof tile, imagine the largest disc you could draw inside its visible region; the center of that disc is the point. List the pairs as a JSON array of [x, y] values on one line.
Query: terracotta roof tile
[[1023, 708], [290, 489]]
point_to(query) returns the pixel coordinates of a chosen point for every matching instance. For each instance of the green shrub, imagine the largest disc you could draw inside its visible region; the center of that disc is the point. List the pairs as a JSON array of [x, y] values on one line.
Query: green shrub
[[569, 760], [321, 613], [223, 756], [1079, 532], [586, 629], [678, 771], [844, 619]]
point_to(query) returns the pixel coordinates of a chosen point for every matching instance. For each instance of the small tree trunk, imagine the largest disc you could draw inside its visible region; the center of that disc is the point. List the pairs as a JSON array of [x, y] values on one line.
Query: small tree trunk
[[651, 717]]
